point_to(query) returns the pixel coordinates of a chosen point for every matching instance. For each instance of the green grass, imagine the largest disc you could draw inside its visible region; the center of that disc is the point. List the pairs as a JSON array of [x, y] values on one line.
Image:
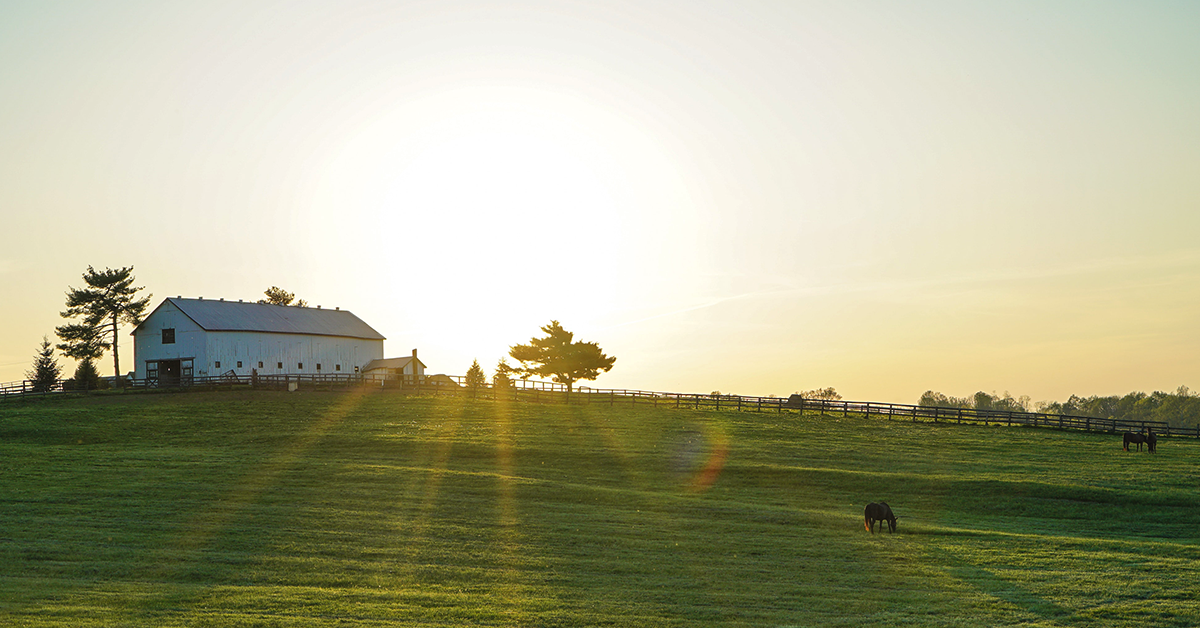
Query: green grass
[[265, 509]]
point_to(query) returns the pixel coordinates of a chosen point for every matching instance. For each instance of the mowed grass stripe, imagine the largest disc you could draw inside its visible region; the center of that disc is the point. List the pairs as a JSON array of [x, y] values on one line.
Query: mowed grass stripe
[[330, 509]]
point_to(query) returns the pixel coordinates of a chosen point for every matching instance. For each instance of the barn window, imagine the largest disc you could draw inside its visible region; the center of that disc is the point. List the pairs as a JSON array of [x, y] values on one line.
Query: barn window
[[168, 336], [279, 365], [337, 367], [260, 364], [300, 365], [151, 370], [218, 364], [239, 364], [318, 366]]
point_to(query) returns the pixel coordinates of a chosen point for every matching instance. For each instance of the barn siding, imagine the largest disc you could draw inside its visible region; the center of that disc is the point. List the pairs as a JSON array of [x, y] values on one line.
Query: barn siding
[[227, 347]]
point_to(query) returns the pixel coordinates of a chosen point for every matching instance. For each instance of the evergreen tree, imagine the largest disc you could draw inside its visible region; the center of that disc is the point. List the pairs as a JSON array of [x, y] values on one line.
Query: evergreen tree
[[557, 356], [46, 371], [86, 375], [476, 378], [107, 302], [502, 379]]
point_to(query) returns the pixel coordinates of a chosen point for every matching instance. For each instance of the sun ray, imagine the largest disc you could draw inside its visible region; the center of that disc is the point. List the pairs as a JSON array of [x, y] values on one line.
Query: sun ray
[[207, 524]]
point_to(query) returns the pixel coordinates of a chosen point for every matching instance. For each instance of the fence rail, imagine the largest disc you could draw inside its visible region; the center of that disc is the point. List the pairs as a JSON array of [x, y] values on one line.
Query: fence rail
[[551, 392]]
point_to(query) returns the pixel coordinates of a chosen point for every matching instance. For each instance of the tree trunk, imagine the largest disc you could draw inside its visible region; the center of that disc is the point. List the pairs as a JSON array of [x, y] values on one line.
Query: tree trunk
[[116, 356]]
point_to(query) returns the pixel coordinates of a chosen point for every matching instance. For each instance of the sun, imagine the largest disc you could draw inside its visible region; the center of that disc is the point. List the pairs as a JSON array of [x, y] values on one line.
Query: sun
[[514, 205]]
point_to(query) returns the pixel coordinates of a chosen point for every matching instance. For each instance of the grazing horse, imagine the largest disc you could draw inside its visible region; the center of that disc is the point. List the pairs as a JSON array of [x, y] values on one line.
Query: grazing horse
[[1151, 442], [1133, 437], [878, 513]]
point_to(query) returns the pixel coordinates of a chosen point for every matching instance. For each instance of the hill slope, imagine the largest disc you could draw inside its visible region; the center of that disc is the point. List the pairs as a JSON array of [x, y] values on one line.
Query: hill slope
[[352, 509]]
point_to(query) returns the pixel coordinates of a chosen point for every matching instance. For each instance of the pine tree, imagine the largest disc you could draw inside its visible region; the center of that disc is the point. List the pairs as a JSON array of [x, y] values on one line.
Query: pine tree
[[476, 378], [46, 371], [86, 375], [105, 304], [502, 381], [558, 356]]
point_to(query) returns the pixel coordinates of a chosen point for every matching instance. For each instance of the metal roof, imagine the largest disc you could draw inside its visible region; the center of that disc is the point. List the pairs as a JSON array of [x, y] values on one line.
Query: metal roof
[[213, 315], [390, 363]]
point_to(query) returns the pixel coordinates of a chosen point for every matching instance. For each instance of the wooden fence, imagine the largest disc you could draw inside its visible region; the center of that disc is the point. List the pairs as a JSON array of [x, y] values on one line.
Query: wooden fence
[[550, 392]]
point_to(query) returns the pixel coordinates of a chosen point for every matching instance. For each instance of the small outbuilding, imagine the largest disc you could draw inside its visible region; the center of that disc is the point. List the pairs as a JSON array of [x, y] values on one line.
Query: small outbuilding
[[408, 368], [186, 338]]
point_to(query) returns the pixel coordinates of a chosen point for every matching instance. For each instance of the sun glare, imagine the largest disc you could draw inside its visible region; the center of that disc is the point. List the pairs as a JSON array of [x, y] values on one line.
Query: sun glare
[[518, 206]]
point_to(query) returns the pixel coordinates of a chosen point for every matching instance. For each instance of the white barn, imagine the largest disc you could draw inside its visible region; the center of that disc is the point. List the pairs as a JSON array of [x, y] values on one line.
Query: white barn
[[184, 338]]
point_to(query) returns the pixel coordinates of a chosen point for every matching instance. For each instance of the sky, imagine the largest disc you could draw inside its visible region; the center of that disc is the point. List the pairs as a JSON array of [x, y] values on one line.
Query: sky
[[752, 197]]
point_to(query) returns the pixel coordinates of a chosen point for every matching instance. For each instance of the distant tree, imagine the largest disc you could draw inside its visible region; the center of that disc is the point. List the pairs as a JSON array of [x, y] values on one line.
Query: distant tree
[[86, 376], [828, 394], [476, 378], [279, 296], [45, 371], [558, 357], [107, 302], [938, 400], [502, 379]]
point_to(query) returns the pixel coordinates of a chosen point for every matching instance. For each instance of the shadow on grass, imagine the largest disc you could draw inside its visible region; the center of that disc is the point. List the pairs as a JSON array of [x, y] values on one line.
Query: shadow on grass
[[990, 584]]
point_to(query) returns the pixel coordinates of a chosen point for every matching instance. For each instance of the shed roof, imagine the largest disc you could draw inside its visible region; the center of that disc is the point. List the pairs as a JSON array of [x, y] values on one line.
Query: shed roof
[[263, 317], [390, 363]]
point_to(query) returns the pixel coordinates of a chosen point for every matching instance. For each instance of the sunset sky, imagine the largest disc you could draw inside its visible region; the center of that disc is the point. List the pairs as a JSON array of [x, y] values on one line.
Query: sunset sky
[[752, 197]]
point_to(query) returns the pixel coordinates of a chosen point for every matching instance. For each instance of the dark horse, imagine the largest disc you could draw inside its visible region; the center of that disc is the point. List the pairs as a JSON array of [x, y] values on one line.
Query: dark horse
[[878, 513], [1134, 437], [1151, 442]]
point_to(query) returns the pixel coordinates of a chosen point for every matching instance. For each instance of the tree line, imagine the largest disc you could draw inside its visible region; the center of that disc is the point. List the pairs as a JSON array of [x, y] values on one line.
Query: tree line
[[1178, 409]]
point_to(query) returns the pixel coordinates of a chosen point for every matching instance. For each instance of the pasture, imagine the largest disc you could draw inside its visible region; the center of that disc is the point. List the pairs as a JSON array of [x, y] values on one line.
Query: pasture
[[323, 509]]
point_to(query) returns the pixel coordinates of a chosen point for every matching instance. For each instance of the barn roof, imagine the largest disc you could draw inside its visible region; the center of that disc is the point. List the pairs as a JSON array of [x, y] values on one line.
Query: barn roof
[[213, 315]]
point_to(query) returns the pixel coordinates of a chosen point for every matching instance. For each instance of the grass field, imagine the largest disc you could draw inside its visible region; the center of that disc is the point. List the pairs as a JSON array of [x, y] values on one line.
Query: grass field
[[322, 509]]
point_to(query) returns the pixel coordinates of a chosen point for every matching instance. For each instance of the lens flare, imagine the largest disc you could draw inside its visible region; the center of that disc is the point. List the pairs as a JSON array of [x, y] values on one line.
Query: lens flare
[[699, 457]]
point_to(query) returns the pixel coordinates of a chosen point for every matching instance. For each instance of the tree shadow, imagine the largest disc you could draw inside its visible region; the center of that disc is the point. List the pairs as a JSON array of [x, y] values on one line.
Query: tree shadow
[[990, 584]]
